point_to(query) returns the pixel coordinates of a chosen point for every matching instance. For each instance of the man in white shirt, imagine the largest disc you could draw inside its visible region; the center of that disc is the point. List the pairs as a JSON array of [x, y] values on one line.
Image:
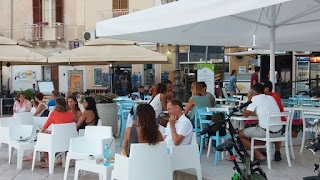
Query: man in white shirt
[[179, 128], [261, 104]]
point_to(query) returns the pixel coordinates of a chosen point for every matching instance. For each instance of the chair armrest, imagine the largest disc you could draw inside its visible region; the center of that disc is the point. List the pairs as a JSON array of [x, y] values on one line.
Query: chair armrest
[[121, 167]]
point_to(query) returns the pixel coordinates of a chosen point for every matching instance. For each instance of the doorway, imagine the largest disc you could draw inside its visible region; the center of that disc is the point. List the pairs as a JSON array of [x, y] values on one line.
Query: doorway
[[75, 81]]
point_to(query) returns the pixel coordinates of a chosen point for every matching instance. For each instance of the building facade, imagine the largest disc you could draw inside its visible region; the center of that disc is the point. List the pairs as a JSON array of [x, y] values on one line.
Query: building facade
[[54, 26]]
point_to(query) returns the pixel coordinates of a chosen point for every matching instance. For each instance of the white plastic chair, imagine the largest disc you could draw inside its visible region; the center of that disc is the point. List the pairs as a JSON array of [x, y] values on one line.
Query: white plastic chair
[[26, 117], [153, 159], [57, 141], [186, 157], [38, 122], [92, 143], [308, 115], [13, 134], [270, 140], [5, 124]]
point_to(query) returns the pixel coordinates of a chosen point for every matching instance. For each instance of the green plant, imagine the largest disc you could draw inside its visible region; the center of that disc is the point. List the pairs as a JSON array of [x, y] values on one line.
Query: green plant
[[104, 98], [29, 94], [82, 98]]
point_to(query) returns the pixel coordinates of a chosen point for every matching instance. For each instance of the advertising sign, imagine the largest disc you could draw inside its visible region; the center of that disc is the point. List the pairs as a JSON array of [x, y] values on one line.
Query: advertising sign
[[206, 74]]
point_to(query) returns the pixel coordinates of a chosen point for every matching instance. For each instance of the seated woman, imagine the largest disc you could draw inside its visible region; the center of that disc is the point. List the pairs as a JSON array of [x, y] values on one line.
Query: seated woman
[[41, 107], [34, 106], [145, 132], [159, 102], [21, 104], [196, 100], [89, 116], [60, 115], [73, 105]]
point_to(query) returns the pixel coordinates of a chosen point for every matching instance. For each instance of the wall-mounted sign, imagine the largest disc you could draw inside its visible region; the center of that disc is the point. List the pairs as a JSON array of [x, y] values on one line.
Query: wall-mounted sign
[[206, 74], [242, 69]]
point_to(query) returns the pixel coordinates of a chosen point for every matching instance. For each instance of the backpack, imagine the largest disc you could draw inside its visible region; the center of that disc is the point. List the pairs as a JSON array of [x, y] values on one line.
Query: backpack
[[218, 118]]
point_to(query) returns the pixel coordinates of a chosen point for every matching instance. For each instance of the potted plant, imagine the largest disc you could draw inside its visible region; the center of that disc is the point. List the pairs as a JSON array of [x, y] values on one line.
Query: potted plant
[[29, 94], [296, 127], [107, 110]]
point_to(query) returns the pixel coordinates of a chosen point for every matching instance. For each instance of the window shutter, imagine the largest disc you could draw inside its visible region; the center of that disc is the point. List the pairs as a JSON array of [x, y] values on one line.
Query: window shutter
[[37, 11], [59, 11], [115, 4], [124, 4]]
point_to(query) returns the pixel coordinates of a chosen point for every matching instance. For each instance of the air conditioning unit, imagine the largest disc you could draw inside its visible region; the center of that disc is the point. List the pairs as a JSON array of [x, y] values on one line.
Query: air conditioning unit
[[89, 35]]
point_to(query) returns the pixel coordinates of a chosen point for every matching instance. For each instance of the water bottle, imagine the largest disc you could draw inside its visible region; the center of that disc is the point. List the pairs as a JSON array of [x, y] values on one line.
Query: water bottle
[[106, 155]]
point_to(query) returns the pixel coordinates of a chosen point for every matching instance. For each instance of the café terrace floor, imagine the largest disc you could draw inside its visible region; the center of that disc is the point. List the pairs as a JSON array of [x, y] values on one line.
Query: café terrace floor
[[302, 166]]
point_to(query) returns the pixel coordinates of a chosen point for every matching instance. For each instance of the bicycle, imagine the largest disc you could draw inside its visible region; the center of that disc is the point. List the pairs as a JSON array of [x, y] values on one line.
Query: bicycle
[[314, 147], [251, 170]]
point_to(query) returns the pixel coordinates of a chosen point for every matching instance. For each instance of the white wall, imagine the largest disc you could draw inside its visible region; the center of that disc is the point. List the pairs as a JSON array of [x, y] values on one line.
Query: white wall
[[63, 77], [21, 84]]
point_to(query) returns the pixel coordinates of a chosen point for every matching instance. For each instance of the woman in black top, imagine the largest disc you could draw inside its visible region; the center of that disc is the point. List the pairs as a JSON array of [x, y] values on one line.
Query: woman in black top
[[89, 116]]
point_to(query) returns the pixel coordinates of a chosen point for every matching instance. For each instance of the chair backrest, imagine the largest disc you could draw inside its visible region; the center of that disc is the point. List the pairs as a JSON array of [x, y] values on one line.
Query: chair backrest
[[24, 131], [26, 117], [51, 108], [224, 91], [61, 135], [99, 122], [9, 121], [194, 139], [102, 132], [162, 129], [286, 114], [38, 122], [142, 155], [310, 114]]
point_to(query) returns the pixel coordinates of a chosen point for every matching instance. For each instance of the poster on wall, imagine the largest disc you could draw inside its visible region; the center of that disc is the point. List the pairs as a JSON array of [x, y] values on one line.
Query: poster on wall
[[206, 74], [24, 76], [75, 82]]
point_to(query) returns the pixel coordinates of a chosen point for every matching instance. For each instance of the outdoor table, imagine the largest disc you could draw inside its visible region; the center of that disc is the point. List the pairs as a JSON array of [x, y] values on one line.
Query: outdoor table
[[241, 119], [21, 146], [91, 166]]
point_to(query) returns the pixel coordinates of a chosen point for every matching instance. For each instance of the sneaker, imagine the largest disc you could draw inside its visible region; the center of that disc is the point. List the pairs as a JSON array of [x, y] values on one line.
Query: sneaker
[[277, 156]]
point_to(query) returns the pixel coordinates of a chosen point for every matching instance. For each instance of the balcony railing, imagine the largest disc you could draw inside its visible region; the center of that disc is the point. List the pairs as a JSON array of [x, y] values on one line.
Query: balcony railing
[[108, 14], [45, 32]]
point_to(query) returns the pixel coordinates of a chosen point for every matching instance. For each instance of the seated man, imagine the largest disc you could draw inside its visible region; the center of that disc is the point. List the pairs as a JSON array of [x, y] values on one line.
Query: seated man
[[261, 104], [179, 128]]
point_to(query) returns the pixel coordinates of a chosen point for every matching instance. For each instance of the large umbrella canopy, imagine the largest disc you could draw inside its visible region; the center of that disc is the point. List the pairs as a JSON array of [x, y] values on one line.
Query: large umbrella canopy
[[20, 52], [252, 52], [275, 24], [106, 51]]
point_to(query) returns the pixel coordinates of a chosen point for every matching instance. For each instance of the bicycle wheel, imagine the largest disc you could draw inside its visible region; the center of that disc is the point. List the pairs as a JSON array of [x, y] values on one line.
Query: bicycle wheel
[[311, 178]]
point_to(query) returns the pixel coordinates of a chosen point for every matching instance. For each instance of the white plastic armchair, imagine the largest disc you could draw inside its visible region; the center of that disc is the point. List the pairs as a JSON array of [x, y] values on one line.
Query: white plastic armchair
[[5, 125], [186, 157], [153, 159], [57, 141], [92, 143]]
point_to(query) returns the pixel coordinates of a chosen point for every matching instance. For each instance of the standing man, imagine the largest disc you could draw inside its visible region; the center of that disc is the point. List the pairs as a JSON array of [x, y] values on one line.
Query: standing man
[[261, 104], [268, 91], [170, 94], [255, 76], [179, 128], [233, 83], [54, 96]]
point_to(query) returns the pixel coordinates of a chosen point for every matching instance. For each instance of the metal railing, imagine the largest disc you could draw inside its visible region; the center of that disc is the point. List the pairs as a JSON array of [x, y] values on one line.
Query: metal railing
[[108, 14], [44, 31]]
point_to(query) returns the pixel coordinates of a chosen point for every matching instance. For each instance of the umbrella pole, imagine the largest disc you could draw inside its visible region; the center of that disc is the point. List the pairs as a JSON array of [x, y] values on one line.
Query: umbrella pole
[[272, 46]]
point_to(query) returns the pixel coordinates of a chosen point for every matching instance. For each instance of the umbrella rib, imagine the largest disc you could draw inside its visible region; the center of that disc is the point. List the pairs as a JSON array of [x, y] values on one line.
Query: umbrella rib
[[258, 21], [301, 22], [250, 21], [300, 15]]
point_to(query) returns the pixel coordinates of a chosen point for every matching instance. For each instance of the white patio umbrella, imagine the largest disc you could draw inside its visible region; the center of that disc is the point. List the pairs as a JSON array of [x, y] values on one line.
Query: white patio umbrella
[[19, 53], [252, 52], [274, 24], [109, 51]]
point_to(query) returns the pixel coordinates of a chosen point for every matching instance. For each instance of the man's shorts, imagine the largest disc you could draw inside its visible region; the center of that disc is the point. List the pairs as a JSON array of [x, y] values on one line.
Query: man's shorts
[[257, 131]]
